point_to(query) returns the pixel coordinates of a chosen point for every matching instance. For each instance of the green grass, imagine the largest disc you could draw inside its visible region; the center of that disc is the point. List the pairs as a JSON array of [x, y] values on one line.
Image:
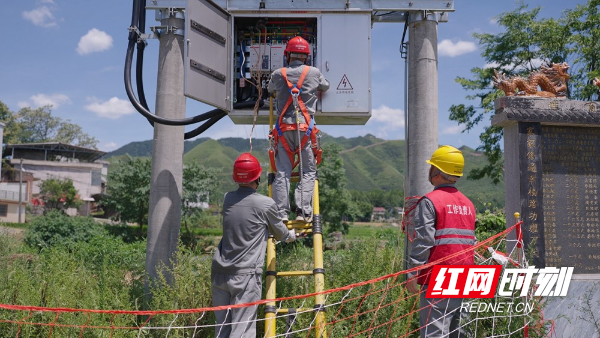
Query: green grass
[[16, 225], [357, 231], [107, 273]]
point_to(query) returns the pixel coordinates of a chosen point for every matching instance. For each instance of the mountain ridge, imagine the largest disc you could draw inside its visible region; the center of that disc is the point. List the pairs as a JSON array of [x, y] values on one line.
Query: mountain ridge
[[370, 163]]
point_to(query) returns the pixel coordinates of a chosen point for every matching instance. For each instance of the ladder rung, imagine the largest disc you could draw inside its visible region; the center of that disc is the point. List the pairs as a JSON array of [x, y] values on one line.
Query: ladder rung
[[295, 225], [300, 309], [304, 231], [293, 273], [299, 222]]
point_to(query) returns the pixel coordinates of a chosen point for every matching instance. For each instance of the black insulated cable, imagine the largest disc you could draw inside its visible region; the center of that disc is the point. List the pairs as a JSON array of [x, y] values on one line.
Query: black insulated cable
[[218, 114], [142, 108]]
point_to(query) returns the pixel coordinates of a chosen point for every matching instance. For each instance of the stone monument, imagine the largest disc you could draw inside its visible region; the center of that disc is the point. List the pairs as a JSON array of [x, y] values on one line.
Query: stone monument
[[552, 177]]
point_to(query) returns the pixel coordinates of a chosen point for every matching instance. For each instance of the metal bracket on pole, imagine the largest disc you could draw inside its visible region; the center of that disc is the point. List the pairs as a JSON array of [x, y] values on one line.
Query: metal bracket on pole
[[427, 16], [160, 4], [141, 36], [166, 13]]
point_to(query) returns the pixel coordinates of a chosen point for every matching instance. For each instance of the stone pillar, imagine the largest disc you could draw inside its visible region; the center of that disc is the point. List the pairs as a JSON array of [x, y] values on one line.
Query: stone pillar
[[552, 177]]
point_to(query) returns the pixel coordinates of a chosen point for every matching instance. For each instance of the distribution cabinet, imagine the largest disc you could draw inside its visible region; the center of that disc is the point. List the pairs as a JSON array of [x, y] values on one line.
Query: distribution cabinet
[[230, 55]]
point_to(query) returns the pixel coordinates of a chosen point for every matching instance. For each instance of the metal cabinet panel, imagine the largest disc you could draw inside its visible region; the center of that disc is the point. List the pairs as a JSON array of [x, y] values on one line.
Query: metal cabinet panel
[[208, 54]]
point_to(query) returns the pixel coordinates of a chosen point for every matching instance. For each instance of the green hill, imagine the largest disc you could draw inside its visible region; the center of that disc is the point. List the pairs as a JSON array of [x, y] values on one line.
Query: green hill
[[370, 163], [144, 148], [378, 166]]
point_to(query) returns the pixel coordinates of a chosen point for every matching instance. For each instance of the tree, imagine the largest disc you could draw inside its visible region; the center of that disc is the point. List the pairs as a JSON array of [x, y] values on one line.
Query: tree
[[38, 125], [584, 24], [12, 129], [334, 200], [59, 194], [128, 187], [526, 43], [198, 184]]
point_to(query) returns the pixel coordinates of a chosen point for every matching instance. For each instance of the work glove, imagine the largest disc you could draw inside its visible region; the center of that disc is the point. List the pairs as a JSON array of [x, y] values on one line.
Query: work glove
[[291, 236]]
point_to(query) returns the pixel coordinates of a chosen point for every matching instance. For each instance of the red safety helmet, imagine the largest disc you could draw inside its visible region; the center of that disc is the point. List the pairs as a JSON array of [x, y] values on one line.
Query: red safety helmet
[[297, 45], [246, 169]]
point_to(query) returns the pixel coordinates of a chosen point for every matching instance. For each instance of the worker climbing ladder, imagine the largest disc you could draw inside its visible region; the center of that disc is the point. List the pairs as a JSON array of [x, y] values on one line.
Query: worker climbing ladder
[[301, 227]]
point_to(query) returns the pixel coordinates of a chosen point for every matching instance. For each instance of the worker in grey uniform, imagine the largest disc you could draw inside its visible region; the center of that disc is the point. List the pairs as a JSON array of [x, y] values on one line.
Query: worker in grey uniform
[[237, 266], [308, 81], [445, 227]]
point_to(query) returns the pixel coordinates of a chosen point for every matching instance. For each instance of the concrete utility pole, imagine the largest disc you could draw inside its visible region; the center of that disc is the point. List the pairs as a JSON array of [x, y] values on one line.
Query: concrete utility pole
[[164, 218], [20, 188], [422, 101], [422, 124]]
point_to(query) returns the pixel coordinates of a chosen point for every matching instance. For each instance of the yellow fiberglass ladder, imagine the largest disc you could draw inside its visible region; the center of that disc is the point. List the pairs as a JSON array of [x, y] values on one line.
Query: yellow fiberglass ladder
[[315, 227]]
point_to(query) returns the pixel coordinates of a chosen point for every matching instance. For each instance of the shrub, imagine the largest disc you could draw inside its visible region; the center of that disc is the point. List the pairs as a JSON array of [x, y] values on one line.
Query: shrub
[[56, 227], [489, 222], [104, 273]]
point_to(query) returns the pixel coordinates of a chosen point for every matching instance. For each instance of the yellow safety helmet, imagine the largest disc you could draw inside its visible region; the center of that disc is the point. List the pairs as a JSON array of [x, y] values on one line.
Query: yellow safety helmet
[[449, 160]]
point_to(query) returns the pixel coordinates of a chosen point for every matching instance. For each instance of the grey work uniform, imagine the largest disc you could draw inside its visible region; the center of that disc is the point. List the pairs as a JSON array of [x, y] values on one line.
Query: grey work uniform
[[314, 81], [238, 262], [438, 317]]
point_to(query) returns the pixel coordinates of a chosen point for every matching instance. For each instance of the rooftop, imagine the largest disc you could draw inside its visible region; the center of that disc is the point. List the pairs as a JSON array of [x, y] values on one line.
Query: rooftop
[[53, 151]]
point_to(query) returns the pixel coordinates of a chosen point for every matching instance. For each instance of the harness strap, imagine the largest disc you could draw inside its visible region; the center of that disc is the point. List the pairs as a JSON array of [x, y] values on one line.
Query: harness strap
[[293, 89], [310, 128]]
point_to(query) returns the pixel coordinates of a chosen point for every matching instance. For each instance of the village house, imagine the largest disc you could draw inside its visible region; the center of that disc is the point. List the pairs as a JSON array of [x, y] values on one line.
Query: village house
[[55, 160]]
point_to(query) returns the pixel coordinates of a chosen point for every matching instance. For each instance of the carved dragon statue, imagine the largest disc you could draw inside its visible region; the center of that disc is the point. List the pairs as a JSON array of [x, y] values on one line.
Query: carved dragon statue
[[552, 79], [597, 82]]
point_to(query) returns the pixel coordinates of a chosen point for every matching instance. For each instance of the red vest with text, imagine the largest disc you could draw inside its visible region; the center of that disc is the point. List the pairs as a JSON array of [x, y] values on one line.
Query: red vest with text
[[454, 229]]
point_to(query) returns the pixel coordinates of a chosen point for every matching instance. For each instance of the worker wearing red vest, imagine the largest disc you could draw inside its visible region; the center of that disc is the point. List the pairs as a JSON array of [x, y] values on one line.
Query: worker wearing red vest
[[296, 88], [444, 225]]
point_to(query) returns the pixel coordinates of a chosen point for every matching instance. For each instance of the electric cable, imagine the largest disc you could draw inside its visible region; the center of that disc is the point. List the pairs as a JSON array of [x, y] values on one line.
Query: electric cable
[[384, 14], [142, 107], [205, 125], [215, 116], [141, 46]]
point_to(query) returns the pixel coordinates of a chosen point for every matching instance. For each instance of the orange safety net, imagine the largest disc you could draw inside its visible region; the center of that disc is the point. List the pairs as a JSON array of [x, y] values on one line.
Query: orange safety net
[[380, 307]]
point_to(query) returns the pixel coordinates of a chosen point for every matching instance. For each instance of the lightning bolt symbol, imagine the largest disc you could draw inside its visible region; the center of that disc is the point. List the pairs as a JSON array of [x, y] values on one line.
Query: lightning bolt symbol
[[439, 279], [344, 82]]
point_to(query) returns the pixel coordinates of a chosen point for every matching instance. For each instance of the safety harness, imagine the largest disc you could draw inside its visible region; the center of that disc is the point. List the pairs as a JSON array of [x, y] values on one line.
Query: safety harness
[[308, 127]]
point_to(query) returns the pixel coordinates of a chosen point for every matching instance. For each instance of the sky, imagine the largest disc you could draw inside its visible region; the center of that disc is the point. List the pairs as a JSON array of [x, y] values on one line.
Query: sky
[[71, 54]]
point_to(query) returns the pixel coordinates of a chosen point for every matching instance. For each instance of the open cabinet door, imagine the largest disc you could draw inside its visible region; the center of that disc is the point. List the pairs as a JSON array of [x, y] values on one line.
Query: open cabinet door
[[207, 54]]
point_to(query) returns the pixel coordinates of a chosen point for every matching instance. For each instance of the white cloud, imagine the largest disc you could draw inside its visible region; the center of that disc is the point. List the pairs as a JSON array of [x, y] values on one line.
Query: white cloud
[[41, 16], [40, 100], [109, 146], [534, 64], [226, 128], [452, 49], [392, 117], [491, 65], [387, 120], [452, 130], [94, 41], [112, 109]]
